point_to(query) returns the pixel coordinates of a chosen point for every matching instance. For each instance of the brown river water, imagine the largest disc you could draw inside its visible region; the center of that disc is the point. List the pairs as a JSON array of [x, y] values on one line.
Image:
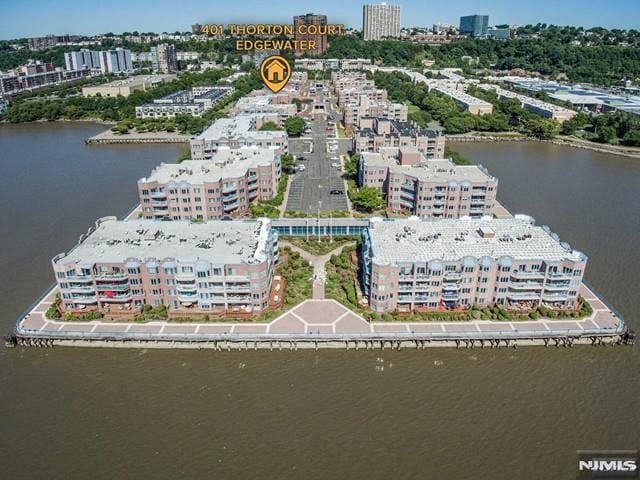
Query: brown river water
[[500, 414]]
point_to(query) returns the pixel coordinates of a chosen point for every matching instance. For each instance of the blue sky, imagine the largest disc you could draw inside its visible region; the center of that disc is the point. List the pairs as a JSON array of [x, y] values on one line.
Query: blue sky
[[23, 18]]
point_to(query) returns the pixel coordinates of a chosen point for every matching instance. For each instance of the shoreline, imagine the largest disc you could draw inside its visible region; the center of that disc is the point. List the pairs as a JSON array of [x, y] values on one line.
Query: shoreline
[[561, 141]]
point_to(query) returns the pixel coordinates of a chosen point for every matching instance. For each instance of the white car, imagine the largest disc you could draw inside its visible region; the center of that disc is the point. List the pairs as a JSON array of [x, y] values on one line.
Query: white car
[[301, 168]]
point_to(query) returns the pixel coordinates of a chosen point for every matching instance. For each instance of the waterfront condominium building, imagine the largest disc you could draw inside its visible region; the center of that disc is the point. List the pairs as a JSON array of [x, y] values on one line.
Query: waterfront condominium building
[[380, 21], [474, 25], [422, 265], [310, 27], [214, 267], [374, 133], [164, 58], [435, 188], [209, 189], [236, 132]]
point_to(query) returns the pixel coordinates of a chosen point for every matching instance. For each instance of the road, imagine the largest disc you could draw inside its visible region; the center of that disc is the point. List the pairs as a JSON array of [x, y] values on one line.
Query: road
[[315, 183]]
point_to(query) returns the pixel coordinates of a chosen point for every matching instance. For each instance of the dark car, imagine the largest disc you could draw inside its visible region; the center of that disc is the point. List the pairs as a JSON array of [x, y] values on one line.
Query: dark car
[[336, 191], [300, 159]]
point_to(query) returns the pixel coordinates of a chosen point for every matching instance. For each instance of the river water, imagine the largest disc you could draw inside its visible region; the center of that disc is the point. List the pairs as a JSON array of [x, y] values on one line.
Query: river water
[[104, 414]]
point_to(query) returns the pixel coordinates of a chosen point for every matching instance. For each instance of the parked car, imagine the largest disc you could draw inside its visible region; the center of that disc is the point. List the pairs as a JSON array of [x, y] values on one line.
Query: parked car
[[337, 191], [301, 159], [301, 168], [336, 165]]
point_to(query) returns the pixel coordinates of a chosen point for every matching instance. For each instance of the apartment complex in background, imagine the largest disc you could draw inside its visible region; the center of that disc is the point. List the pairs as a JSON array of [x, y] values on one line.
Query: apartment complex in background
[[317, 24], [359, 98], [34, 76], [215, 267], [117, 60], [208, 189], [426, 265], [194, 102], [337, 64], [474, 25], [236, 132], [428, 188], [127, 86], [380, 21], [164, 58], [374, 133]]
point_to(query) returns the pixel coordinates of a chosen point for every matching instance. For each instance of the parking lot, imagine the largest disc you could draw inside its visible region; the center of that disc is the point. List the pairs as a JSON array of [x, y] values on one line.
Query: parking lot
[[314, 184]]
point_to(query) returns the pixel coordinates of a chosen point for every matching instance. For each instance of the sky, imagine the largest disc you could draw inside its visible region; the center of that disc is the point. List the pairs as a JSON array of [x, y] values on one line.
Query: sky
[[26, 18]]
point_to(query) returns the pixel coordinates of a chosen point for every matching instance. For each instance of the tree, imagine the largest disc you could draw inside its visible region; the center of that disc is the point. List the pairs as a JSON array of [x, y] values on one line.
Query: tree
[[294, 126], [287, 163], [632, 138], [542, 129], [606, 134], [367, 198]]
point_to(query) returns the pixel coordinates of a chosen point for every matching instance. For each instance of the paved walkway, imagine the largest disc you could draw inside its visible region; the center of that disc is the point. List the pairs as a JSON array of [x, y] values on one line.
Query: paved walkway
[[320, 317]]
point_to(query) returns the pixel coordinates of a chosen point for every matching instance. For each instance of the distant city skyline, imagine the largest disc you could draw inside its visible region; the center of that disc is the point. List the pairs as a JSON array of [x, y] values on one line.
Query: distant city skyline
[[30, 18]]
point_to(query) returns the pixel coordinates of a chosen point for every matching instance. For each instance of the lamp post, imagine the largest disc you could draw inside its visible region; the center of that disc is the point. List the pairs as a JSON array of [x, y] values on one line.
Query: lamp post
[[319, 205]]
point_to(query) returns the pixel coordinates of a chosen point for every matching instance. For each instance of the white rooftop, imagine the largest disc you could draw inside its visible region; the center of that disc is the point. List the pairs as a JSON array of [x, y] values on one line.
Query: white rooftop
[[238, 126], [224, 163], [416, 240], [216, 242], [461, 96]]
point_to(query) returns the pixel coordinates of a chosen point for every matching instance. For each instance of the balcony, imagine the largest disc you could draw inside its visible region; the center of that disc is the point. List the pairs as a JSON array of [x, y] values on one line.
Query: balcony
[[120, 298], [186, 287], [158, 195], [230, 207], [187, 298], [557, 286], [526, 286], [560, 276], [185, 277], [523, 274], [160, 204], [452, 276], [113, 277], [523, 296], [84, 299], [81, 288], [554, 297], [80, 278], [229, 189], [450, 287], [113, 286], [230, 198]]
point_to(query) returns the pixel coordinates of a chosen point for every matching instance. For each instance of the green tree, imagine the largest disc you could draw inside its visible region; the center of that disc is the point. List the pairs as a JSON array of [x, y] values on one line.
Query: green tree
[[287, 163], [294, 126], [367, 198], [606, 134], [541, 128], [632, 138]]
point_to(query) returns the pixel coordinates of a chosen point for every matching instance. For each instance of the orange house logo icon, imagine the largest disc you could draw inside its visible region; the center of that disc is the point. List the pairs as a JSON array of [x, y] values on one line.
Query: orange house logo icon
[[275, 72]]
